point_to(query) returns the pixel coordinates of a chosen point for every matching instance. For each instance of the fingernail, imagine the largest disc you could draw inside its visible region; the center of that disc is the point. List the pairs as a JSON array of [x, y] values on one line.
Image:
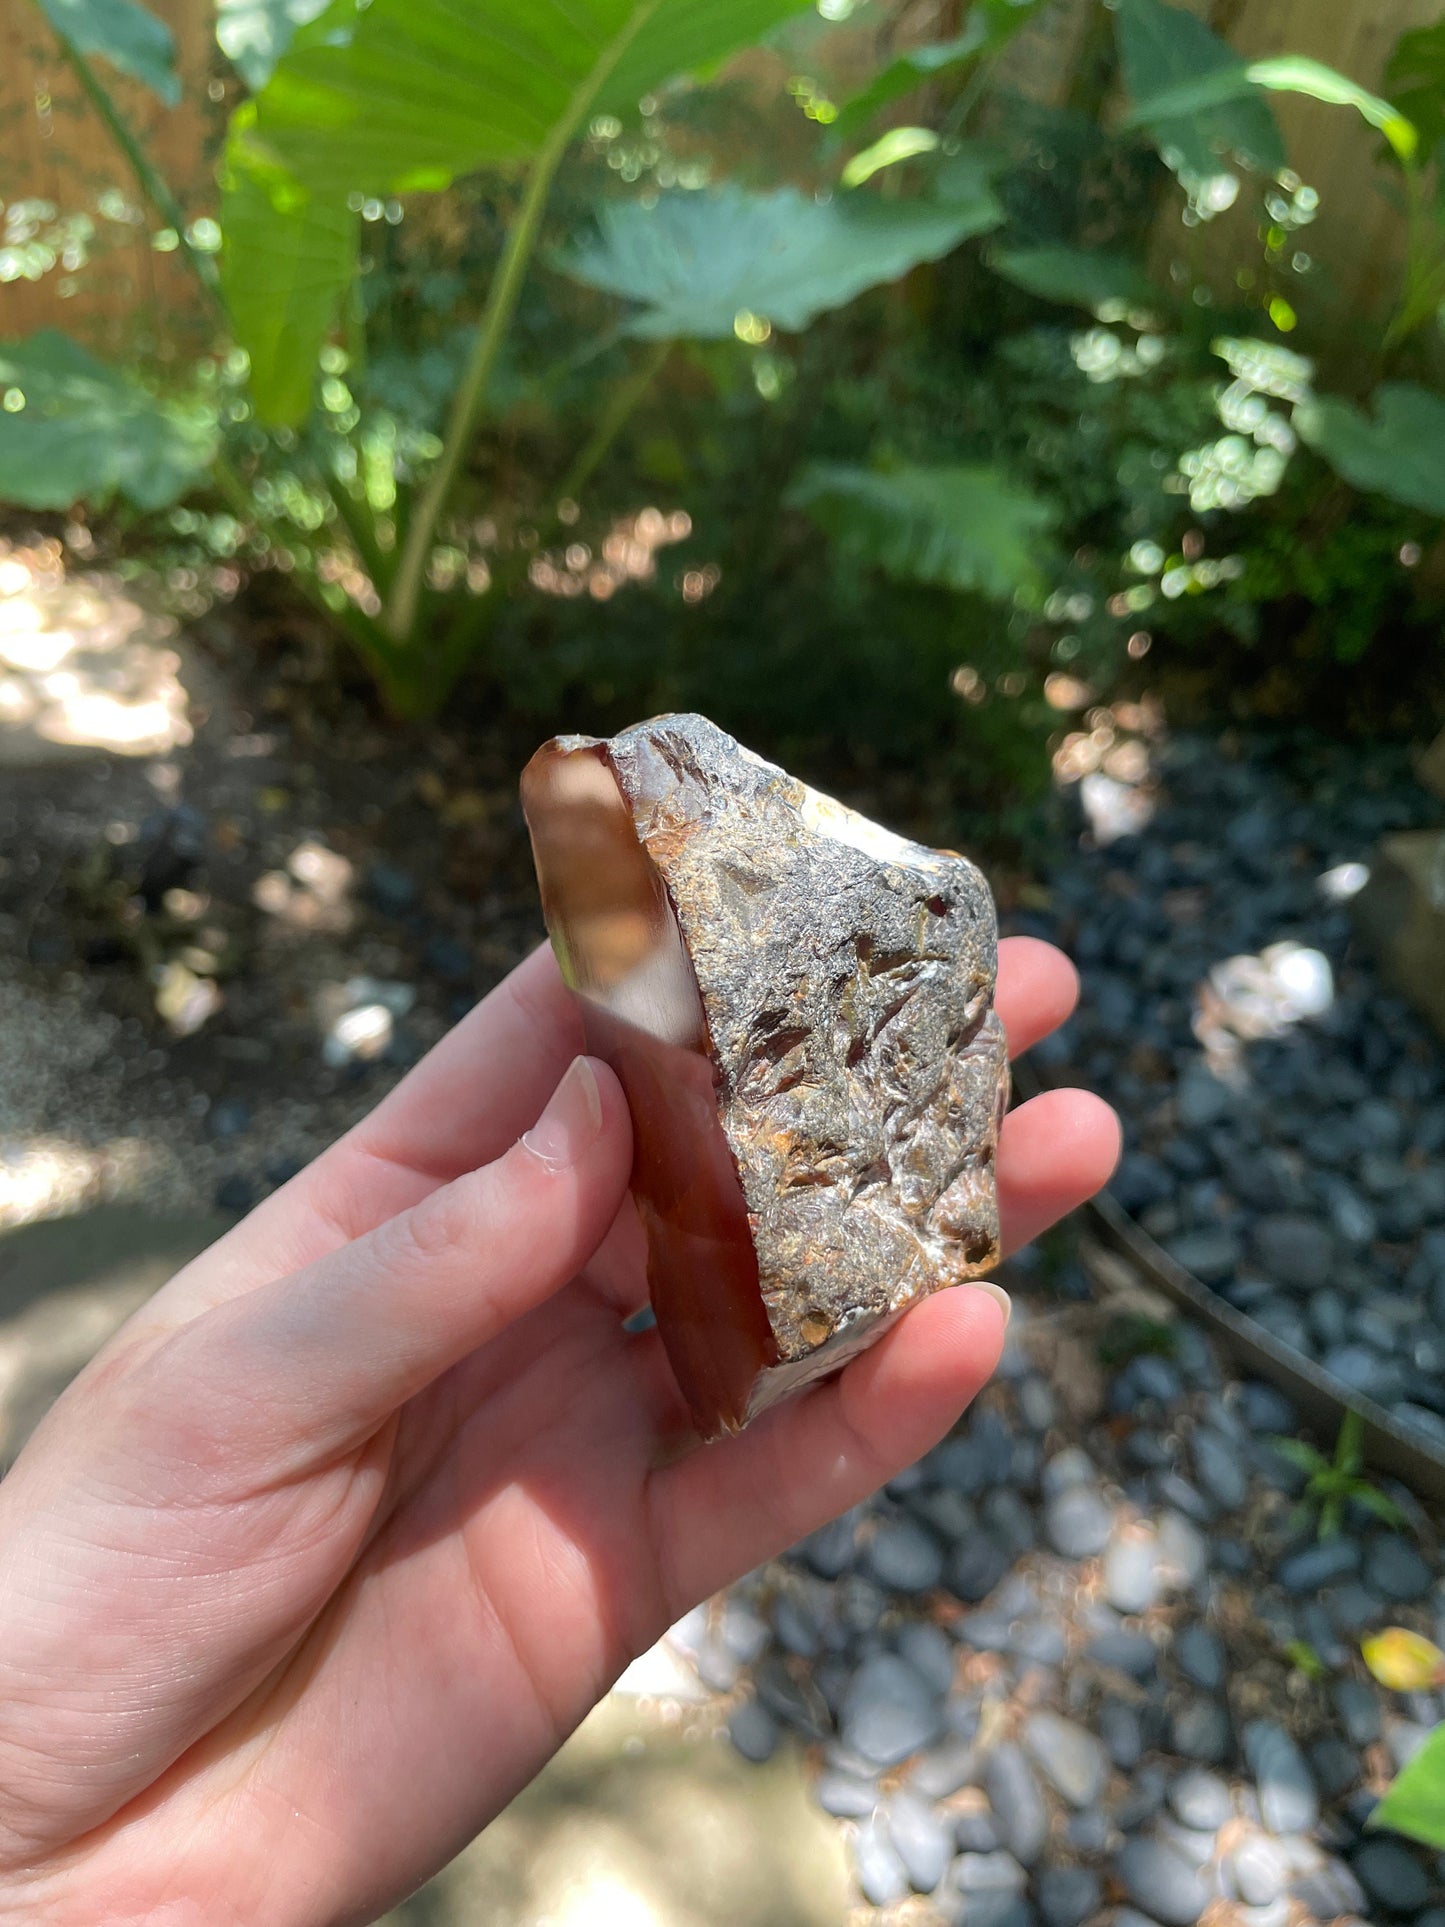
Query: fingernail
[[999, 1296], [572, 1120]]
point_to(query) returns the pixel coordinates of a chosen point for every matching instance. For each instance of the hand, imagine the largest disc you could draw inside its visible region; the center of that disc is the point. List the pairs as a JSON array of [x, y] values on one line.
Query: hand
[[343, 1533]]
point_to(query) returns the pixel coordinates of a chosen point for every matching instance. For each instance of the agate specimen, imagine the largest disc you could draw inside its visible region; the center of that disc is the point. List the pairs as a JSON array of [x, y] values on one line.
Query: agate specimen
[[799, 1006]]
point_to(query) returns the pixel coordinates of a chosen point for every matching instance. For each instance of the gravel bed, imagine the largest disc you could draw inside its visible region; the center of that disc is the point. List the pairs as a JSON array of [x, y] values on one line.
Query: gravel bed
[[1284, 1115], [1084, 1662]]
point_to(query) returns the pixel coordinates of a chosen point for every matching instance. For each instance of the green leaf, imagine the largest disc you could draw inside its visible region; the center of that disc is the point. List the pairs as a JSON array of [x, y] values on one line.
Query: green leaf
[[390, 95], [698, 261], [1399, 454], [898, 144], [253, 34], [125, 34], [1380, 1504], [1350, 1445], [1283, 74], [73, 429], [1415, 76], [1165, 53], [1082, 277], [959, 528], [1414, 1804], [288, 255], [1301, 1454], [991, 24]]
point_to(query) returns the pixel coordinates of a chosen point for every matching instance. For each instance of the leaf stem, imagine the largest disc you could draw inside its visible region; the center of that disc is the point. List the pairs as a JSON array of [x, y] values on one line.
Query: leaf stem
[[400, 614], [150, 183], [613, 419]]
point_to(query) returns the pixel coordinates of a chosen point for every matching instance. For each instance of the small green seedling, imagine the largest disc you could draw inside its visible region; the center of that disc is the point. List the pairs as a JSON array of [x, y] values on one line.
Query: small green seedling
[[1334, 1484]]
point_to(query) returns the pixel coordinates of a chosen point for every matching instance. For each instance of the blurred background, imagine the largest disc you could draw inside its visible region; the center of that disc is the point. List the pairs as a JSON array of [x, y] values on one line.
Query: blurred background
[[1024, 418]]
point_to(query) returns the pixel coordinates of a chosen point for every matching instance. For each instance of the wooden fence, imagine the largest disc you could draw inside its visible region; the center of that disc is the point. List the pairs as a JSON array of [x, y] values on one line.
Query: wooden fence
[[53, 149]]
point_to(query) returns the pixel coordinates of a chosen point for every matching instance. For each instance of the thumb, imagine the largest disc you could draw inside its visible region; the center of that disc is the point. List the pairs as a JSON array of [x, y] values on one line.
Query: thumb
[[320, 1359]]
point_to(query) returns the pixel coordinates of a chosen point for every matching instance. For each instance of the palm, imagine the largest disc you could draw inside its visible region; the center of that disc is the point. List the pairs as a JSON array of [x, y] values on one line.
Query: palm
[[398, 1579]]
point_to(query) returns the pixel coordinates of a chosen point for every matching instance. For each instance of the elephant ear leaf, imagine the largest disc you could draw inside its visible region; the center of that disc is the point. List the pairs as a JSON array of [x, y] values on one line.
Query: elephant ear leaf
[[1400, 453], [383, 96], [288, 255], [123, 33], [75, 430], [694, 263]]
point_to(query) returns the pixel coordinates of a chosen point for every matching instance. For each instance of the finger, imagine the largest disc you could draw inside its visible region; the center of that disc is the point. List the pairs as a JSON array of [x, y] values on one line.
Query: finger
[[1037, 989], [1054, 1152], [726, 1508], [318, 1361]]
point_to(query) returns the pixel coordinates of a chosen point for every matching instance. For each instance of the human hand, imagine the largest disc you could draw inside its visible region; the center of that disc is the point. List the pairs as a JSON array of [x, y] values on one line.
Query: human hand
[[343, 1533]]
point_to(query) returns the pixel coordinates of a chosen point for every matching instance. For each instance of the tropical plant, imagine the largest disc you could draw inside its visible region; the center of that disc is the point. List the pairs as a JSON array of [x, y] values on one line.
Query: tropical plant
[[378, 468], [1335, 1484]]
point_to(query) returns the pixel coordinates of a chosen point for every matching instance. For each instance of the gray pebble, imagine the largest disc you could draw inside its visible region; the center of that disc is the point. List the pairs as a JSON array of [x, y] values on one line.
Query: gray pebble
[[999, 1910], [1335, 1765], [904, 1556], [1067, 1895], [1194, 1844], [844, 1795], [1391, 1874], [1162, 1882], [944, 1768], [1008, 1517], [984, 1873], [859, 1604], [923, 1841], [1040, 1642], [930, 1651], [1200, 1799], [1069, 1756], [1144, 1799], [1404, 1738], [1200, 1730], [829, 1550], [1358, 1708], [1294, 1250], [878, 1864], [1176, 1491], [1199, 1655], [745, 1632], [1219, 1466], [1037, 1406], [890, 1710], [1395, 1569], [753, 1731], [976, 1833], [958, 1463], [1183, 1549], [1266, 1410], [1089, 1832], [1124, 1651], [1014, 1795], [986, 1632], [1259, 1870], [1071, 1467], [1328, 1889], [976, 1566], [795, 1627], [1288, 1799], [1321, 1564], [1132, 1580], [1078, 1522], [1119, 1729]]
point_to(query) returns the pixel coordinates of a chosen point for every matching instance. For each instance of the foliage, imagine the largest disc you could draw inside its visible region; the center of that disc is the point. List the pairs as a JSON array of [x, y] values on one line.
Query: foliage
[[961, 528], [694, 262], [1414, 1802], [72, 428], [1400, 453], [1335, 1484], [1406, 1662], [494, 274]]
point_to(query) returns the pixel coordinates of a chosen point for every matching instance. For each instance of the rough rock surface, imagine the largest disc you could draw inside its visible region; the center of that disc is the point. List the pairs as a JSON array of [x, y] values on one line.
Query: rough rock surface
[[847, 981]]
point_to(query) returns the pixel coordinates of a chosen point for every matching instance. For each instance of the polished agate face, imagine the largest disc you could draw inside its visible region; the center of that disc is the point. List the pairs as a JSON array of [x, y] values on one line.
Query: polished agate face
[[798, 1005]]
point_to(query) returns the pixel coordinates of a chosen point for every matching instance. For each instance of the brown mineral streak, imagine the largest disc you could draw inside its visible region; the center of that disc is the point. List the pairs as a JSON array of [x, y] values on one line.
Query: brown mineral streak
[[842, 981]]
